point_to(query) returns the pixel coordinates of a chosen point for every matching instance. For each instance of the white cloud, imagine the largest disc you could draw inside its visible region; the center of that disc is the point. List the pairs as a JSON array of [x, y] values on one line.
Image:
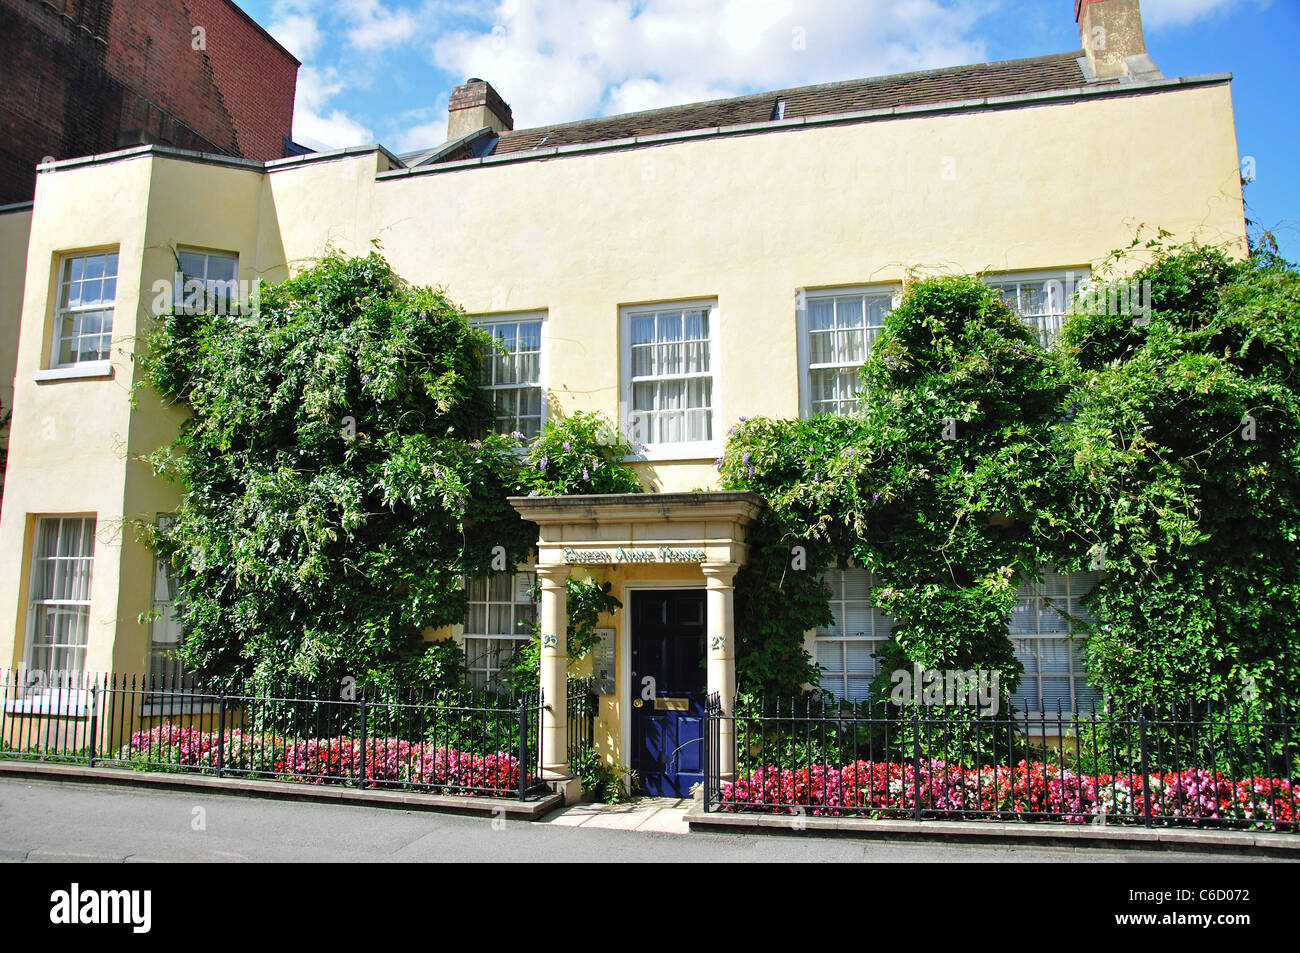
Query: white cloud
[[561, 60], [317, 126], [332, 130], [418, 138], [298, 34], [638, 94], [378, 25], [295, 23], [1160, 14]]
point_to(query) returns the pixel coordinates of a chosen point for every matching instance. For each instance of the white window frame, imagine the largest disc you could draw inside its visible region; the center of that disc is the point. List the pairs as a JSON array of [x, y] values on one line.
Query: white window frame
[[687, 450], [518, 599], [804, 331], [881, 625], [1069, 280], [65, 261], [487, 321], [34, 601], [1023, 643], [170, 672], [232, 302]]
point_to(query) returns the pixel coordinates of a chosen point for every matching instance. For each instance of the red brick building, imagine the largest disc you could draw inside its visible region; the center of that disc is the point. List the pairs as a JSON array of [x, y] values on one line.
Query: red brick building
[[80, 77]]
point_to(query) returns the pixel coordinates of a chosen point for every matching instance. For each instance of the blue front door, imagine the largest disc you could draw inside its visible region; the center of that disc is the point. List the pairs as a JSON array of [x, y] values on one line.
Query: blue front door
[[668, 690]]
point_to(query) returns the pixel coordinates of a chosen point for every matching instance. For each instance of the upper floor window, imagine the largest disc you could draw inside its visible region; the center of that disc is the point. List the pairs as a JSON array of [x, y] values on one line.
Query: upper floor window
[[838, 329], [668, 376], [62, 557], [1041, 299], [207, 282], [500, 618], [83, 319], [515, 377]]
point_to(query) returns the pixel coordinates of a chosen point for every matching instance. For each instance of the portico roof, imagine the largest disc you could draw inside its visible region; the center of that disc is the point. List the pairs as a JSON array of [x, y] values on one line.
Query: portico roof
[[619, 528]]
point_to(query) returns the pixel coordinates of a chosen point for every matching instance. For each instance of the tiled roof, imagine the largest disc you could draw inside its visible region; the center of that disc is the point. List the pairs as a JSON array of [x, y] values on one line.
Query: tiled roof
[[1007, 78]]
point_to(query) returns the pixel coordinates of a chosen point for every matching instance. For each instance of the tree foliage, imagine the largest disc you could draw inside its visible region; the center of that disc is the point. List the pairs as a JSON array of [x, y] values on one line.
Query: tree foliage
[[942, 486], [1186, 438], [1164, 450], [340, 479]]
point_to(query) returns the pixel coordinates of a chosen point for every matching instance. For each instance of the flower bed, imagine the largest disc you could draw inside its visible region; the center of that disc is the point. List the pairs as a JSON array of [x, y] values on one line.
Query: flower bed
[[388, 761], [1024, 791]]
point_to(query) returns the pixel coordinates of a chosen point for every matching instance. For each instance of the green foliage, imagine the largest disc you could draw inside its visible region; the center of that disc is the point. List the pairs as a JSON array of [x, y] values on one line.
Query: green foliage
[[943, 486], [340, 480], [586, 601], [1186, 439], [609, 783], [1165, 451], [579, 454], [779, 595]]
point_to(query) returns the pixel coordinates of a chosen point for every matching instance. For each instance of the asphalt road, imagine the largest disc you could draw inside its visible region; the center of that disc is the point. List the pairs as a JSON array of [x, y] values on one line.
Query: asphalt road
[[53, 822]]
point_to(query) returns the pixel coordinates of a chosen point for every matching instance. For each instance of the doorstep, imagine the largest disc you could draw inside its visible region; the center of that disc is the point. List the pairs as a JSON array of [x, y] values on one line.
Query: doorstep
[[646, 815], [1285, 846], [508, 808]]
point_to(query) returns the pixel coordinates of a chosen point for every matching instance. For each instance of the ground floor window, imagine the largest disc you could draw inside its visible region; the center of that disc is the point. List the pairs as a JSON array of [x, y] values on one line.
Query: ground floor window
[[501, 613], [63, 553], [846, 651], [1039, 630], [165, 631]]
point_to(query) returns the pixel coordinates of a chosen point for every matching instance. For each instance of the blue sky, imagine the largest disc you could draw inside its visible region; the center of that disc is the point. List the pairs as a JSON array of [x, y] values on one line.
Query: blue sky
[[381, 70]]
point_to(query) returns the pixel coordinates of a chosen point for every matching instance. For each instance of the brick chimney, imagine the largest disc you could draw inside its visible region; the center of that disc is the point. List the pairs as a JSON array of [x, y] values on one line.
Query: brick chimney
[[475, 105], [1111, 33]]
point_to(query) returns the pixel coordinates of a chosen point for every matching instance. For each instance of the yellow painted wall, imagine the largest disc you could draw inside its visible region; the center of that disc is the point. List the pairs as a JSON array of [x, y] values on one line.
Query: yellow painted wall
[[749, 220], [68, 438], [745, 220]]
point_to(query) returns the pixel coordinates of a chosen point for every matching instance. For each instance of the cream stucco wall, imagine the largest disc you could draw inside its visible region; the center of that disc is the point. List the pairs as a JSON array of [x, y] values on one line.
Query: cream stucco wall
[[746, 220]]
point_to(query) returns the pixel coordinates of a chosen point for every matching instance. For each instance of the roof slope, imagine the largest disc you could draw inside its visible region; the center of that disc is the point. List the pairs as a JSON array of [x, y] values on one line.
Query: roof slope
[[953, 84]]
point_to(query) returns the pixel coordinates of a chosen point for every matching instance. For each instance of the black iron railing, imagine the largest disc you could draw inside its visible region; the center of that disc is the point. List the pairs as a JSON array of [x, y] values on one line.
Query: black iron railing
[[1235, 765], [471, 742], [581, 715]]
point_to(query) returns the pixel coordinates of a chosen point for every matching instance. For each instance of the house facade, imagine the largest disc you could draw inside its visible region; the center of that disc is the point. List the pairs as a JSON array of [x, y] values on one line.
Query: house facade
[[676, 270]]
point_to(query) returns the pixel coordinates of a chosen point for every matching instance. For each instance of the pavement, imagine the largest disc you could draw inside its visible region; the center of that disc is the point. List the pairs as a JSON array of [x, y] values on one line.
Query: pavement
[[50, 821]]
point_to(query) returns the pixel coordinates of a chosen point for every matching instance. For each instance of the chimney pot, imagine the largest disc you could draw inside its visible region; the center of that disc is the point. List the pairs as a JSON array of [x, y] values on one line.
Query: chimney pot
[[475, 105], [1111, 32]]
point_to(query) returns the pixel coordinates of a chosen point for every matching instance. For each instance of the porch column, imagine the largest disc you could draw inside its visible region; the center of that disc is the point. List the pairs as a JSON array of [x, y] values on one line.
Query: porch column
[[718, 578], [554, 673]]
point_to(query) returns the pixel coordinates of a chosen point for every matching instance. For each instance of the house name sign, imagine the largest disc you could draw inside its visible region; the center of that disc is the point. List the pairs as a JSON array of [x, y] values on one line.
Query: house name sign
[[628, 555]]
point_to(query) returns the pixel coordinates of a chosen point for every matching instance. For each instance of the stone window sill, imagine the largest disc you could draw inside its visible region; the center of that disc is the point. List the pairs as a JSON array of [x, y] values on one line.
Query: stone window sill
[[87, 371]]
